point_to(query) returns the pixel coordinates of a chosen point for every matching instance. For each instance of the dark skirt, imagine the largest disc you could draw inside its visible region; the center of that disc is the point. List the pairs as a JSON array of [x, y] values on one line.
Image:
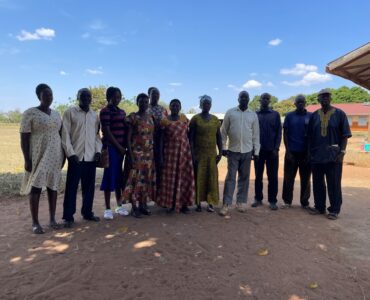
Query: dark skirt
[[112, 177]]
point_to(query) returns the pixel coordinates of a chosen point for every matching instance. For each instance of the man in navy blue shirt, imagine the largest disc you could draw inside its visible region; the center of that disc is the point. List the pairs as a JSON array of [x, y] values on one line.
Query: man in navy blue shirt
[[296, 153], [328, 132], [270, 139]]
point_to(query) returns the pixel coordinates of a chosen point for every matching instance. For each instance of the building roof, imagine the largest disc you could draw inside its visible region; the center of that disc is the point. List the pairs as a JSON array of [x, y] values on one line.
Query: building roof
[[351, 109], [354, 66]]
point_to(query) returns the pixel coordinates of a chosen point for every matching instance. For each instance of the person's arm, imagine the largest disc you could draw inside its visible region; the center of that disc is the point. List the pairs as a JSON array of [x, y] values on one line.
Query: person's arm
[[98, 143], [224, 132], [25, 146], [219, 145], [192, 129], [66, 138], [256, 137], [346, 133], [278, 135]]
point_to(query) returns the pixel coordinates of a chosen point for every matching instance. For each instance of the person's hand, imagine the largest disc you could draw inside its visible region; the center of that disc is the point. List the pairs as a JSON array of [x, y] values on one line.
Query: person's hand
[[289, 156], [73, 159], [122, 151], [225, 152], [218, 158], [340, 157], [256, 158], [28, 165], [97, 157]]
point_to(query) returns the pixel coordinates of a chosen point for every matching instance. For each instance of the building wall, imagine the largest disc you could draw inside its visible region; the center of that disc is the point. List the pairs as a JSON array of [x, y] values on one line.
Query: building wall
[[358, 123]]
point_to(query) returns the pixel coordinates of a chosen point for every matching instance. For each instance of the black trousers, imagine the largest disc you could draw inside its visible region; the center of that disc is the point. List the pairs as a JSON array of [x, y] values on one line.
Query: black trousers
[[272, 166], [332, 173], [297, 161], [84, 171]]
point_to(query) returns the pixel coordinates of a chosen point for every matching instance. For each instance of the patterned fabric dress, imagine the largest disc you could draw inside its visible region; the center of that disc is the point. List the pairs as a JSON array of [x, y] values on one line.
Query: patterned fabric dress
[[141, 185], [206, 171], [46, 150], [158, 112], [177, 182]]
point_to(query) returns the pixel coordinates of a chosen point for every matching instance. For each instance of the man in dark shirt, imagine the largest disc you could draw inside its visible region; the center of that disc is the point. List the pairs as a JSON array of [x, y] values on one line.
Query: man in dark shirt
[[328, 131], [270, 139], [296, 153]]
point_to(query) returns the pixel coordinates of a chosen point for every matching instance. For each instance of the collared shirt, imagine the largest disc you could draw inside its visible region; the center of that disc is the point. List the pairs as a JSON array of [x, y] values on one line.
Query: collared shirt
[[270, 129], [326, 133], [242, 130], [80, 133], [115, 119], [295, 129]]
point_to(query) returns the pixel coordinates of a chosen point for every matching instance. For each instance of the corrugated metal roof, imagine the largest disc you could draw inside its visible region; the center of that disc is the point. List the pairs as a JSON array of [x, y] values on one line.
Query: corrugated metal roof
[[351, 109]]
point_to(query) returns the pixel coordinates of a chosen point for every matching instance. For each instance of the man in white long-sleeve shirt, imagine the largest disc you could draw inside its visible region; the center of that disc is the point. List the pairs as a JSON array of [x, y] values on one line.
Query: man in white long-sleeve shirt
[[82, 146], [240, 129]]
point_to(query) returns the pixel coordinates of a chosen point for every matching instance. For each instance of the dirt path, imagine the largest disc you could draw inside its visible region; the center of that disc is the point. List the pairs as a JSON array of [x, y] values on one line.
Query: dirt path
[[199, 256]]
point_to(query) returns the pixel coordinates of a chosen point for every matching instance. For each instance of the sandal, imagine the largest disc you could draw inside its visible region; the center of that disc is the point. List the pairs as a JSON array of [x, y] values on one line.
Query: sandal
[[199, 208], [54, 225], [37, 229]]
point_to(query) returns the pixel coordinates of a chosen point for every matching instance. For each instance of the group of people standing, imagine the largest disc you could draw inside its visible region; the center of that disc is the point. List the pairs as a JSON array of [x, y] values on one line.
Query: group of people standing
[[152, 155]]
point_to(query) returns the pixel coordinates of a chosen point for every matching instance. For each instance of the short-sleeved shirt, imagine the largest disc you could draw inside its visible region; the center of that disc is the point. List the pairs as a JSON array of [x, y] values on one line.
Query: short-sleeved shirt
[[115, 119], [326, 133], [270, 129], [295, 128]]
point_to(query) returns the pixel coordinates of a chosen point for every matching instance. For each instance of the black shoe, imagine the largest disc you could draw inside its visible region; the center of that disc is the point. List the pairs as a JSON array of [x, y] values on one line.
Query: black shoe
[[256, 203], [273, 206], [199, 208], [68, 224], [145, 211], [92, 218], [332, 216], [170, 210], [135, 212], [185, 210], [315, 211]]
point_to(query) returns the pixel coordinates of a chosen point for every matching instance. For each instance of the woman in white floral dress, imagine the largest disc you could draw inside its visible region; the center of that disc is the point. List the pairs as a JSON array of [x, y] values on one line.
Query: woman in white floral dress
[[43, 155]]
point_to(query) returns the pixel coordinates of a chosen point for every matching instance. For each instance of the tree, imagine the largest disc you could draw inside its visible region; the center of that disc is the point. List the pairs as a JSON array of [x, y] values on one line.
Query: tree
[[284, 106], [192, 111], [343, 94]]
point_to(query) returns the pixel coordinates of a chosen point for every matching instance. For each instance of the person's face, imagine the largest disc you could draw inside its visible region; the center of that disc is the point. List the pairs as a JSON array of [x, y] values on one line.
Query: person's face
[[324, 100], [175, 108], [265, 100], [243, 100], [46, 97], [300, 103], [143, 103], [206, 107], [154, 95], [85, 99], [116, 98]]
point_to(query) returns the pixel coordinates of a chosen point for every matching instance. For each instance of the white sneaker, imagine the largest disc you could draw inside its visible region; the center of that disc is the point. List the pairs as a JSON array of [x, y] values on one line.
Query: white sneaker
[[108, 214], [121, 211], [224, 210], [241, 207]]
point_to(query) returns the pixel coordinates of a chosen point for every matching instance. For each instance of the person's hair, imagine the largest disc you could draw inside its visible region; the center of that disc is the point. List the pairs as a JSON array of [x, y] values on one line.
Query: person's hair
[[40, 88], [119, 91], [175, 100], [141, 95], [110, 92], [150, 90]]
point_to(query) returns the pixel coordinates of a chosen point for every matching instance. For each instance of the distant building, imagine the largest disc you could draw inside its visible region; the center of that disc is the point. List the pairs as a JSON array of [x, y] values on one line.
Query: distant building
[[358, 114]]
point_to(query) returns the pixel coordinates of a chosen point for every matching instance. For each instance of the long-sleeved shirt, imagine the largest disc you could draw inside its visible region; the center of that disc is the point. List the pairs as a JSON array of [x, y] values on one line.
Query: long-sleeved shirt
[[241, 129], [80, 133], [270, 129]]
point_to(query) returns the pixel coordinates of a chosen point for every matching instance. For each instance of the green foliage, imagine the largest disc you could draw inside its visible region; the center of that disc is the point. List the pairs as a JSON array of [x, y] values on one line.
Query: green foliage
[[284, 106], [192, 111], [343, 94], [12, 116]]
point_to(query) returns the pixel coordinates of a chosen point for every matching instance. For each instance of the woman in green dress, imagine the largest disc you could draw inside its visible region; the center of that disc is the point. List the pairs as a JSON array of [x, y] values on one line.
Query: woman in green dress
[[205, 137]]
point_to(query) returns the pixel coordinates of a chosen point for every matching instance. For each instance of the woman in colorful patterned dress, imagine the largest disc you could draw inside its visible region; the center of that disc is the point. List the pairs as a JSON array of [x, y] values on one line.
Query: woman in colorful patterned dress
[[176, 190], [43, 155], [204, 137], [140, 187]]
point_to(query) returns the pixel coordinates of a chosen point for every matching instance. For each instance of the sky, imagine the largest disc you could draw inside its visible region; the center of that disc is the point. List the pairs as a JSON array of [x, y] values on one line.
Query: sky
[[185, 48]]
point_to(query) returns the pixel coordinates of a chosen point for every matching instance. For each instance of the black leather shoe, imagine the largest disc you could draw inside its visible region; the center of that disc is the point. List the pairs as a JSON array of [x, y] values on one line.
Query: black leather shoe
[[256, 203], [185, 210], [92, 218], [135, 212], [68, 224]]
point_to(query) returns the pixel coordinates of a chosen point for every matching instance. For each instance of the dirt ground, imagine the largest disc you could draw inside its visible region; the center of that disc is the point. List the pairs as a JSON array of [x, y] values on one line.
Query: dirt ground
[[196, 256]]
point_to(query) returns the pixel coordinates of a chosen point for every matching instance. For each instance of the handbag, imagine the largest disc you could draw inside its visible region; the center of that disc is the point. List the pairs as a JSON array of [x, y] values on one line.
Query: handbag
[[104, 159]]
